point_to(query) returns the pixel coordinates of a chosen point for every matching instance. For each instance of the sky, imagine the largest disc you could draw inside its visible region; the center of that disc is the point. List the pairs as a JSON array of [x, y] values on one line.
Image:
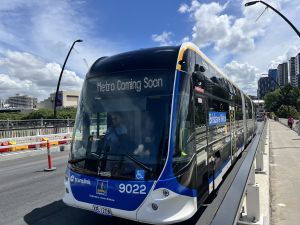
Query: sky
[[36, 35]]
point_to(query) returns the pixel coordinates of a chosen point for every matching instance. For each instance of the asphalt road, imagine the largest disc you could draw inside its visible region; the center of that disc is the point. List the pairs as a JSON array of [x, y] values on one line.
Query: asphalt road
[[28, 195]]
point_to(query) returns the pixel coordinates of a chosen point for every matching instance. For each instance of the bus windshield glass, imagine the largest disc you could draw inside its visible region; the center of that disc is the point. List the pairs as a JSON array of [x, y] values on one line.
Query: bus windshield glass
[[122, 125]]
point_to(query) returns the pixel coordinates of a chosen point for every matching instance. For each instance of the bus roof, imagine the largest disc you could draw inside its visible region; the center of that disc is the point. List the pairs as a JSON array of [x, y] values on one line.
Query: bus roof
[[192, 46], [151, 58]]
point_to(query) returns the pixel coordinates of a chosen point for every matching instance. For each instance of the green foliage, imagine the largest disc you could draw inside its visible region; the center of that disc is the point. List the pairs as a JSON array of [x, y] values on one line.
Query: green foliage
[[272, 102], [285, 111], [12, 116], [284, 101], [66, 113], [40, 113]]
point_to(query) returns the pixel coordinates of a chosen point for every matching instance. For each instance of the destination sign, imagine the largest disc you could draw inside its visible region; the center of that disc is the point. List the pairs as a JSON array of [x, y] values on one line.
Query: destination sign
[[129, 84], [216, 118]]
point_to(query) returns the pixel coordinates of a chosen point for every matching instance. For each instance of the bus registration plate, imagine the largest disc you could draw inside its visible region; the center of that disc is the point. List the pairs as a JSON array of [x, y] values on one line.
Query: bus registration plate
[[102, 210]]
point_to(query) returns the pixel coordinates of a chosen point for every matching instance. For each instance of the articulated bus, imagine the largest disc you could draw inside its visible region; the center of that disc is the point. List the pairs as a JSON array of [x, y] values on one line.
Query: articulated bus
[[156, 130]]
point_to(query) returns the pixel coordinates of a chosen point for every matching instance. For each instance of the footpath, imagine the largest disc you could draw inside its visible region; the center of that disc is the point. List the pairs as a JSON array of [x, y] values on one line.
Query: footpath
[[284, 175]]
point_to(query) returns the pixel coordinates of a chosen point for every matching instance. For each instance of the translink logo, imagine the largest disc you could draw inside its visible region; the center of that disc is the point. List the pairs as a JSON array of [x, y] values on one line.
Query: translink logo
[[74, 179]]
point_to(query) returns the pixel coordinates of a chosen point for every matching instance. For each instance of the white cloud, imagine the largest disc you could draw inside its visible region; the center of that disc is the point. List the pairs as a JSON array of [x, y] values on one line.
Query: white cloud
[[164, 39], [48, 28], [183, 8], [279, 41], [244, 75], [252, 46], [28, 74], [291, 52], [212, 27], [185, 39]]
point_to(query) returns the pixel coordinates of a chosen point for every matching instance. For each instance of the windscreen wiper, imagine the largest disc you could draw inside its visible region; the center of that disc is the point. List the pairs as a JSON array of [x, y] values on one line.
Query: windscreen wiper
[[94, 156], [139, 163], [136, 161], [97, 157]]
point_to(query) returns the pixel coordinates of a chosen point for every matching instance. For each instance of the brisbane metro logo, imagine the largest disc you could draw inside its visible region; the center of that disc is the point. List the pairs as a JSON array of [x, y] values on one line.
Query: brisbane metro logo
[[101, 188]]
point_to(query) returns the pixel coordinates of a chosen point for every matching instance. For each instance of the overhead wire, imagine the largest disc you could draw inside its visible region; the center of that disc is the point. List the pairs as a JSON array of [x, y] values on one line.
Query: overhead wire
[[261, 13]]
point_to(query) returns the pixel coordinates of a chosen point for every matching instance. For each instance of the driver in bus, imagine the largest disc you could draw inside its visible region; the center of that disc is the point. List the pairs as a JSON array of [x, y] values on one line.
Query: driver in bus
[[143, 148], [116, 131]]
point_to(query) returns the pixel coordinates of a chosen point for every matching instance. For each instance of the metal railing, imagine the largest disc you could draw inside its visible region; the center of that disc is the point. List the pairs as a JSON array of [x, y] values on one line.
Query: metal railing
[[24, 128], [35, 124], [284, 121]]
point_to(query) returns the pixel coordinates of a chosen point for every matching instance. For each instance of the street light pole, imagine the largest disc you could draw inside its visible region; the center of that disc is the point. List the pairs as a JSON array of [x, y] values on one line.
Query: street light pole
[[280, 14], [60, 75]]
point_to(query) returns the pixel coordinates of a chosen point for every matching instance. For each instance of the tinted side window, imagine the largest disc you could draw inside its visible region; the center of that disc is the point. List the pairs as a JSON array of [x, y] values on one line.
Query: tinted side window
[[238, 108], [249, 108], [200, 122], [184, 134], [188, 62]]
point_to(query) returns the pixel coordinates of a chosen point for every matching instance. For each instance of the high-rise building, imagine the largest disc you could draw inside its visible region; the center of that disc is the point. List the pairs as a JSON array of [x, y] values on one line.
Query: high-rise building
[[264, 85], [282, 74], [297, 69], [2, 103], [22, 102], [292, 72], [272, 74]]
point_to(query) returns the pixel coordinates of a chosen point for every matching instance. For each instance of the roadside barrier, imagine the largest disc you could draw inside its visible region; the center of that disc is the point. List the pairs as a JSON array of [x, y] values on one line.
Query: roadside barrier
[[33, 142]]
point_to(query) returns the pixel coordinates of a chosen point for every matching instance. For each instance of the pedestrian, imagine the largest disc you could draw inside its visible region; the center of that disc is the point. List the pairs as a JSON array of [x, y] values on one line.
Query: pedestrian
[[290, 122], [265, 117]]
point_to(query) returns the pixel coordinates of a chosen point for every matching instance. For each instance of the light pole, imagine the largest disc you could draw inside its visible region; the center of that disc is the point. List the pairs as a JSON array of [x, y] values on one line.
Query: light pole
[[280, 14], [60, 75]]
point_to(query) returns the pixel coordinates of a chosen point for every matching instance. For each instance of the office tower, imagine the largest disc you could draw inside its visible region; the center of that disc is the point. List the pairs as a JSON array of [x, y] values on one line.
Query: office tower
[[292, 72], [282, 74]]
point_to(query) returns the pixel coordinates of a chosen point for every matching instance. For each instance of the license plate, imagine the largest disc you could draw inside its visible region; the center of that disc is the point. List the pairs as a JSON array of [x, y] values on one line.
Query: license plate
[[102, 210]]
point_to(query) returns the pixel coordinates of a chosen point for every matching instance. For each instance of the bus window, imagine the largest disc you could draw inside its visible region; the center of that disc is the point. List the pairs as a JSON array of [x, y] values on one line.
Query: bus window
[[188, 61], [184, 138], [200, 123]]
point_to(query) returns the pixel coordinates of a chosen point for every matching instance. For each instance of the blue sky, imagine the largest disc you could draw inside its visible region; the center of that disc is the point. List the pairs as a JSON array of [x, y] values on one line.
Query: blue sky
[[35, 37]]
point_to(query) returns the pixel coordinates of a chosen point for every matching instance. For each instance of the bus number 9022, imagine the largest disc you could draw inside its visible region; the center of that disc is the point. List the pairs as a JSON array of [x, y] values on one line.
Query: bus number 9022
[[132, 189]]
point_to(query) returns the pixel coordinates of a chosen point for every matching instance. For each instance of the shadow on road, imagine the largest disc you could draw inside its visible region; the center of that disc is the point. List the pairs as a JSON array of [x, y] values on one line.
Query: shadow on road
[[57, 213]]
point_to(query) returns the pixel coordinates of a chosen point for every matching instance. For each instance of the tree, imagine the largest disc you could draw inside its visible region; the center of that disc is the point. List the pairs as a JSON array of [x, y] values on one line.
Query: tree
[[272, 102], [285, 111], [284, 101], [67, 113], [40, 113]]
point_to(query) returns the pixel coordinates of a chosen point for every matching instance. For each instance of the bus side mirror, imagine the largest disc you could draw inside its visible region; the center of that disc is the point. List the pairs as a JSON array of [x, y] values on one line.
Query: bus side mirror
[[199, 68], [198, 74]]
